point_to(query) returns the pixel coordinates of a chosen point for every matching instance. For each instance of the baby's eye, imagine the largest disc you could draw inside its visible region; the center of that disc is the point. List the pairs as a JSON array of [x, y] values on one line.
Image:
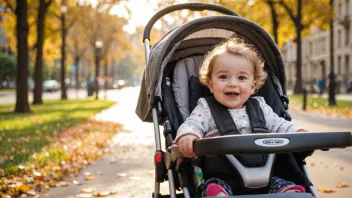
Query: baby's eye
[[223, 77], [242, 78]]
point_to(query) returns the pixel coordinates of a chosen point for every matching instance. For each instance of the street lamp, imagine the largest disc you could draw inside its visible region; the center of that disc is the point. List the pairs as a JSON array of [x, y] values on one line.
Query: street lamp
[[98, 46], [63, 10], [331, 100]]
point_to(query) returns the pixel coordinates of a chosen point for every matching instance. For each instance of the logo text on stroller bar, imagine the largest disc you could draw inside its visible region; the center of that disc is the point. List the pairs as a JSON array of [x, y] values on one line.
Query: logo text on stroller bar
[[272, 142]]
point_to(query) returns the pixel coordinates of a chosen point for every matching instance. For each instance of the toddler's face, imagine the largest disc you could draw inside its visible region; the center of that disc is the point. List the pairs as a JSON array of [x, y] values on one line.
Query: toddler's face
[[232, 80]]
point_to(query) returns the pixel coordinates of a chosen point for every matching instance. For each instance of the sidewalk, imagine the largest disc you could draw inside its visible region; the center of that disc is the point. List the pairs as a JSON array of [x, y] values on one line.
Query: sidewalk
[[128, 168]]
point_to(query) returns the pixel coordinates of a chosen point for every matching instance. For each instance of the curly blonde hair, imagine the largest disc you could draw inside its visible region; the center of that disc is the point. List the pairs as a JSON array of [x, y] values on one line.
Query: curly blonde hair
[[235, 46]]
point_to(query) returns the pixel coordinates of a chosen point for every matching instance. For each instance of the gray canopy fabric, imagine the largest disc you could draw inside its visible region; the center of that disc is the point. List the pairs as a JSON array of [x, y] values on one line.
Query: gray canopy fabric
[[206, 27]]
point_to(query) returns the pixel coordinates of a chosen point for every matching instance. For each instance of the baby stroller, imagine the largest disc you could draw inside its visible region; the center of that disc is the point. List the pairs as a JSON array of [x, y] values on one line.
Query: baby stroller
[[168, 95]]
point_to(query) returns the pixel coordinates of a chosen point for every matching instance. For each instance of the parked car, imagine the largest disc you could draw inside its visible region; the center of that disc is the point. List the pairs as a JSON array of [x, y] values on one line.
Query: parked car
[[51, 85]]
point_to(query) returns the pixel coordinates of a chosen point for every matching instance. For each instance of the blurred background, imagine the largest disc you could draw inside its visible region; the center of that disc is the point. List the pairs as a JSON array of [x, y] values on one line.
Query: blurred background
[[53, 45]]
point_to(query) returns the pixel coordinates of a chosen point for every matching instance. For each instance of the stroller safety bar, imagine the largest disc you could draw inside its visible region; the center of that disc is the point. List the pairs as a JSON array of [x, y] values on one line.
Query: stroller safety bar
[[267, 143], [190, 6]]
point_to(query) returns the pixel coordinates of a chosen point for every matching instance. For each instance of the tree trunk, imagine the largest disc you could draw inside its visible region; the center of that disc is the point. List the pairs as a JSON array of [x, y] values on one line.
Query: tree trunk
[[38, 73], [22, 105], [97, 69], [274, 20], [77, 58], [299, 85], [63, 58]]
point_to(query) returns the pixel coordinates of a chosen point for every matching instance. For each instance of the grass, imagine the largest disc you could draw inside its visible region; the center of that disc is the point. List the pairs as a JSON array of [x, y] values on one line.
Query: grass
[[22, 135], [320, 104]]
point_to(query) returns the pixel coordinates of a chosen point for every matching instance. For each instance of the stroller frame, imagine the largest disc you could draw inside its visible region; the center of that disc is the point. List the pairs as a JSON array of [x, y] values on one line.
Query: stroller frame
[[165, 160]]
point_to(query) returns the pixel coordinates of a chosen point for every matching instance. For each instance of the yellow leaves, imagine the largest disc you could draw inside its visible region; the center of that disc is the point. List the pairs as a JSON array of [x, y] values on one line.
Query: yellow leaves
[[102, 194], [342, 184], [24, 188], [325, 190], [88, 190], [89, 178], [45, 171]]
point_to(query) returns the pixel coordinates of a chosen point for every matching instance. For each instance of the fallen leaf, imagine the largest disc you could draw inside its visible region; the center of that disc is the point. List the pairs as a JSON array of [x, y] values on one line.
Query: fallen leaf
[[112, 161], [24, 188], [121, 174], [102, 194], [113, 192], [135, 178], [100, 173], [84, 195], [325, 190], [341, 168], [342, 184], [88, 190], [76, 182], [63, 184], [89, 178]]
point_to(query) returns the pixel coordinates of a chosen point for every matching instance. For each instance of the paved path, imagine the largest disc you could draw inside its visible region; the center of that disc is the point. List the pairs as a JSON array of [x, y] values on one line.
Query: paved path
[[133, 149]]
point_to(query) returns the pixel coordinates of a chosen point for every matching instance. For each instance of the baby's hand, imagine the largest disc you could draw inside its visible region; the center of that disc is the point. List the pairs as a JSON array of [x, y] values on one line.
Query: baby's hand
[[185, 145]]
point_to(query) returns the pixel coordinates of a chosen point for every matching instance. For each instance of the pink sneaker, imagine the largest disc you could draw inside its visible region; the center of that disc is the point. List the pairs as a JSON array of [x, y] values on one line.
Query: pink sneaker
[[215, 190], [292, 188]]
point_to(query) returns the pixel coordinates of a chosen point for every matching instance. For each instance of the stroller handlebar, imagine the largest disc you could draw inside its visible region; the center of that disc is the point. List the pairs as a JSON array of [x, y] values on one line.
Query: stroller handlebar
[[190, 6], [267, 143]]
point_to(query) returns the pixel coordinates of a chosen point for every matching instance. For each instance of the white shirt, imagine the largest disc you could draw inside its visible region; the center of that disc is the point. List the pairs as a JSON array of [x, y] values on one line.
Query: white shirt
[[201, 123]]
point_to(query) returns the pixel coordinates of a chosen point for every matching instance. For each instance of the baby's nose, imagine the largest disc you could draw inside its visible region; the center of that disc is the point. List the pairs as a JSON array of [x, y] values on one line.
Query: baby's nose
[[232, 83]]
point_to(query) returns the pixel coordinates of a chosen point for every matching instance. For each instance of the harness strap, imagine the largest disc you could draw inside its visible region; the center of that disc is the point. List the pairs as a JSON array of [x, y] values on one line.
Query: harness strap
[[256, 116], [222, 115], [226, 126], [225, 123]]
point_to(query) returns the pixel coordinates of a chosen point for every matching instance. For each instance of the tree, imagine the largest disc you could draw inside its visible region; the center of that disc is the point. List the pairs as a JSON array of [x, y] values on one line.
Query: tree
[[38, 73], [21, 11], [298, 27], [274, 20], [98, 25], [316, 16]]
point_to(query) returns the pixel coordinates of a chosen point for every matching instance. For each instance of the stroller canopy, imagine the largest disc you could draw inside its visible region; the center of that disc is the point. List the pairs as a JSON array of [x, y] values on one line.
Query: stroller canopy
[[203, 29]]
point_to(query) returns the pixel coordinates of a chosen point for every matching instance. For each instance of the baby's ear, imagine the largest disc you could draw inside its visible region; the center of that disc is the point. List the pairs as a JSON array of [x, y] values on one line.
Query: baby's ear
[[210, 86], [254, 87]]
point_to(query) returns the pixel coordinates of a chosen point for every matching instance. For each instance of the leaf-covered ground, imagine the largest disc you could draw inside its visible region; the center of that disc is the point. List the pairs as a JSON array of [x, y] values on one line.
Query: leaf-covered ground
[[320, 105], [77, 147], [56, 140]]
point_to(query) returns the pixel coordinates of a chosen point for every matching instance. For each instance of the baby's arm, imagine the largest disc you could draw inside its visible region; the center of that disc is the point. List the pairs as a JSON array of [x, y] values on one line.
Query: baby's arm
[[191, 129]]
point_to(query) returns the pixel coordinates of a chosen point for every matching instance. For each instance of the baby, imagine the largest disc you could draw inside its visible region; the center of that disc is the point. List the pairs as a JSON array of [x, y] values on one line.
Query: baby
[[233, 72]]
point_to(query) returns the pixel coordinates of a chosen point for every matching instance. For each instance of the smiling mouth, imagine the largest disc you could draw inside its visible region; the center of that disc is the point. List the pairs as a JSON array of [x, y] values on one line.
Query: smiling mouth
[[232, 94]]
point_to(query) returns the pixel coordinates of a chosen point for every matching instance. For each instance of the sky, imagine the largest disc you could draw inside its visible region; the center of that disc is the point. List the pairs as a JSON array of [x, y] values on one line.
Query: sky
[[141, 12]]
